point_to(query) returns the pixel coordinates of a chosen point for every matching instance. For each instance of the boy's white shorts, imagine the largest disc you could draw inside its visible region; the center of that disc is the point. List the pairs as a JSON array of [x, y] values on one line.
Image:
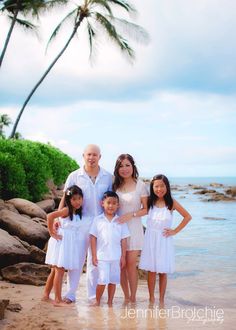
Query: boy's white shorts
[[108, 272]]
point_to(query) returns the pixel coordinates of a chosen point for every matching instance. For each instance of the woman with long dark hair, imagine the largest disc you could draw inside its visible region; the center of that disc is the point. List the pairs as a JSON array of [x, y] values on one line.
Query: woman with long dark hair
[[133, 196]]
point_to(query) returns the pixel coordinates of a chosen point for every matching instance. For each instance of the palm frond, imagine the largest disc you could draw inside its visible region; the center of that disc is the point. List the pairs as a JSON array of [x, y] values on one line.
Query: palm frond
[[91, 34], [24, 23], [114, 36], [57, 29], [133, 31], [124, 4], [103, 4]]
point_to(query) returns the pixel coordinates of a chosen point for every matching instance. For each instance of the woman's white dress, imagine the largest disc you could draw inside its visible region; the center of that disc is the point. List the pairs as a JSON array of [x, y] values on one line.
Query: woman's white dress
[[131, 202], [65, 252], [158, 251]]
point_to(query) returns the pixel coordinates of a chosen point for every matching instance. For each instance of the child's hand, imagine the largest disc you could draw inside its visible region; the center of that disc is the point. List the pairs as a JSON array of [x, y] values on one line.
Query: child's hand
[[168, 232], [56, 226], [56, 236], [124, 218], [122, 262], [95, 261]]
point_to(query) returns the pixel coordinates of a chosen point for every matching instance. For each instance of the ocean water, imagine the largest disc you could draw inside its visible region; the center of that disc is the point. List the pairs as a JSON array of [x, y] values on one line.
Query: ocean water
[[228, 181], [206, 248]]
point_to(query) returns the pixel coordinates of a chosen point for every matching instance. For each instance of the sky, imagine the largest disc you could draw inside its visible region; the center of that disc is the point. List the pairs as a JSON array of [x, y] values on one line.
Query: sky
[[173, 109]]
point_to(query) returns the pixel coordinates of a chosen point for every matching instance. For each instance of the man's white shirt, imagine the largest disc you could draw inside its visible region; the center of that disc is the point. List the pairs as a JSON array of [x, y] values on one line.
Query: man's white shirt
[[93, 192]]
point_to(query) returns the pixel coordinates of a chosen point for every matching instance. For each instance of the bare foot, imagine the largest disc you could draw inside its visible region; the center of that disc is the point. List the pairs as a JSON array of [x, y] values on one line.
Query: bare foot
[[132, 300], [60, 304], [67, 301], [46, 299], [125, 302], [94, 304], [109, 303], [161, 304], [152, 300]]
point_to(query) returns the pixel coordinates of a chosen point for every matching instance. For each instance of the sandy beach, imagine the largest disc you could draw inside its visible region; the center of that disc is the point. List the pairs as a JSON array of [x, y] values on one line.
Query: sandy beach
[[200, 294], [185, 309]]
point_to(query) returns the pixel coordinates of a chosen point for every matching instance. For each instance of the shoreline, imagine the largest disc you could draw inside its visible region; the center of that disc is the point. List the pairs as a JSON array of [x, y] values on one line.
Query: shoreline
[[185, 309]]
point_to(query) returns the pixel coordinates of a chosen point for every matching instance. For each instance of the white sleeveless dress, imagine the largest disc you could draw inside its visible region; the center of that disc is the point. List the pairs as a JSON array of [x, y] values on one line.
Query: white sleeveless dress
[[131, 202], [158, 251], [65, 253]]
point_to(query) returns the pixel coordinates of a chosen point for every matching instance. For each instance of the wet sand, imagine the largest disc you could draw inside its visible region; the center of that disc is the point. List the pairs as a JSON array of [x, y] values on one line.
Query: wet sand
[[186, 303]]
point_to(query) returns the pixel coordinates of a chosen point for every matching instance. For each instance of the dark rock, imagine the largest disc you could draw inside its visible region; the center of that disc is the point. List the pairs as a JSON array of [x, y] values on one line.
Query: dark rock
[[7, 206], [205, 191], [42, 222], [216, 197], [24, 228], [3, 305], [27, 207], [36, 255], [213, 218], [26, 216], [195, 187], [47, 205], [14, 307], [26, 273], [216, 185], [142, 274], [231, 191], [11, 250]]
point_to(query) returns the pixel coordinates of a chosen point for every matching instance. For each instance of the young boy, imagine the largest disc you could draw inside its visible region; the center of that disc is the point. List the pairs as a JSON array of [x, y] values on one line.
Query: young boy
[[108, 246]]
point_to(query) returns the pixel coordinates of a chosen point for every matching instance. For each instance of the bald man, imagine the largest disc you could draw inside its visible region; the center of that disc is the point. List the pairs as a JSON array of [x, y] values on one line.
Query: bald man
[[94, 181]]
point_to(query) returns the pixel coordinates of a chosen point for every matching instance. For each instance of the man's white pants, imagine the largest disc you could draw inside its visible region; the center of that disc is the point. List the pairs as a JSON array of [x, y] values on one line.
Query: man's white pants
[[73, 276]]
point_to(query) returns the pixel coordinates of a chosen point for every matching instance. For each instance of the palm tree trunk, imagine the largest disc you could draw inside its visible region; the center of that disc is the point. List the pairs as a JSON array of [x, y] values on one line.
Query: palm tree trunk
[[43, 77], [9, 33]]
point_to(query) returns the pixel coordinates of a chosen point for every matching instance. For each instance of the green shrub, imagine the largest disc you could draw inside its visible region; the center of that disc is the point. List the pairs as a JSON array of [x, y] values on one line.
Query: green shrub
[[59, 163], [26, 166], [12, 178]]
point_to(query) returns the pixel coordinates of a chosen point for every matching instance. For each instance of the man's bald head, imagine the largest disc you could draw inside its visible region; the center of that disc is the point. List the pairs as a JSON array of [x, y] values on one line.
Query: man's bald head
[[92, 155], [92, 148]]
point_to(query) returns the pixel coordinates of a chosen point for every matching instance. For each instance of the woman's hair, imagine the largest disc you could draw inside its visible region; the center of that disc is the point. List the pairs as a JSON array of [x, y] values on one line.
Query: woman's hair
[[153, 197], [118, 180], [69, 193]]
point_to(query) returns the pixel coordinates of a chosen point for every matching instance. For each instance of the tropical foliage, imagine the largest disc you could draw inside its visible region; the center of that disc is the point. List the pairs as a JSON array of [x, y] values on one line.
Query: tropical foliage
[[18, 10], [26, 167], [97, 15]]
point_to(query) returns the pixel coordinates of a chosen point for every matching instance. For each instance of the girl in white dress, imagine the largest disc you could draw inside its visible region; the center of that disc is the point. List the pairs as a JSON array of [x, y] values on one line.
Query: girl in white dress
[[133, 195], [62, 252], [158, 251]]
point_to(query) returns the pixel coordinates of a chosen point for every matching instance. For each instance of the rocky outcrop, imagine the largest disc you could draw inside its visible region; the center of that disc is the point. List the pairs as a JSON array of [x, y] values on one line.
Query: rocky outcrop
[[40, 221], [8, 206], [47, 205], [24, 228], [205, 191], [11, 250], [3, 304], [216, 185], [27, 207], [26, 273], [216, 197], [212, 195], [36, 255], [23, 235], [231, 191], [214, 218]]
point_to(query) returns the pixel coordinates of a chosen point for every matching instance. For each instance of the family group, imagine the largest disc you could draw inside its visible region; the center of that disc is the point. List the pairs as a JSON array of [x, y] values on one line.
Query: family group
[[99, 217]]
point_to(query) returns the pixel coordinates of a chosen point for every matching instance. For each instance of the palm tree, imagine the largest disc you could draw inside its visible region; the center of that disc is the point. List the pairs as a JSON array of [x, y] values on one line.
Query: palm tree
[[5, 121], [14, 8], [100, 13]]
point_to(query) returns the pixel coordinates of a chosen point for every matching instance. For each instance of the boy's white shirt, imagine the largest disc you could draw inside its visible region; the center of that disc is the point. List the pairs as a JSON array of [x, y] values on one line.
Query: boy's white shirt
[[109, 235]]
